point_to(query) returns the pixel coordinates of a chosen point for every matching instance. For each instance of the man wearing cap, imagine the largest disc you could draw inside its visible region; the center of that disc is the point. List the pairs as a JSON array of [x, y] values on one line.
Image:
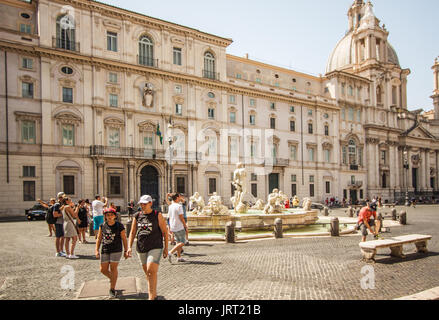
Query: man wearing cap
[[59, 225], [98, 213], [365, 221]]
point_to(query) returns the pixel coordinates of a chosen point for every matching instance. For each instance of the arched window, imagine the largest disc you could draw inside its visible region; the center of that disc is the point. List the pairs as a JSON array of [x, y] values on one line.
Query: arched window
[[209, 66], [352, 149], [146, 51], [65, 32]]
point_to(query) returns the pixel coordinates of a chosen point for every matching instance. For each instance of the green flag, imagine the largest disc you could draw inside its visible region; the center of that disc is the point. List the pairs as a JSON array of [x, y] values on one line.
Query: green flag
[[159, 133]]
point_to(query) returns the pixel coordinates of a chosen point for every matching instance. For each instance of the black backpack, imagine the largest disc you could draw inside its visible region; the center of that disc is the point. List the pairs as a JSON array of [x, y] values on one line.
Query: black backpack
[[49, 216]]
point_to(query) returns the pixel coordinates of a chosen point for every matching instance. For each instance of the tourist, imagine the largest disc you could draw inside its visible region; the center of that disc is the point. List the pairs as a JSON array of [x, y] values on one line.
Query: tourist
[[112, 235], [70, 230], [131, 209], [365, 221], [98, 213], [50, 219], [150, 228], [178, 226], [82, 221], [59, 225]]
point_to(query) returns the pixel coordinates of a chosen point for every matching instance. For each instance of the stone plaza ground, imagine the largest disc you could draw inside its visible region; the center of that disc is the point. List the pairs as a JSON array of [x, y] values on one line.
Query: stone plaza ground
[[326, 268]]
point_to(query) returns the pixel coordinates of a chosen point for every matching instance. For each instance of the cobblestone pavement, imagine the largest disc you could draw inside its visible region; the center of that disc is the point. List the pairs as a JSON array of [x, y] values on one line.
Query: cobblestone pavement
[[291, 268]]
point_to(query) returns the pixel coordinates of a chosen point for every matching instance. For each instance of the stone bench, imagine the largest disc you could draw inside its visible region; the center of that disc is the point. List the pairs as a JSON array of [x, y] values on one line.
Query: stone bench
[[369, 249]]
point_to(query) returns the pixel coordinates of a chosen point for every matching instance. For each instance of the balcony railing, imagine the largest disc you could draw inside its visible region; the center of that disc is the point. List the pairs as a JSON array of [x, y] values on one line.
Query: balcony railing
[[356, 184], [211, 75], [147, 61], [142, 153], [65, 44]]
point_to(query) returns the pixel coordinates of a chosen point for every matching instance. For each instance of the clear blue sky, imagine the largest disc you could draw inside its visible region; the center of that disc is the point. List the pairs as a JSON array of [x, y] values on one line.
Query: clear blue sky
[[301, 34]]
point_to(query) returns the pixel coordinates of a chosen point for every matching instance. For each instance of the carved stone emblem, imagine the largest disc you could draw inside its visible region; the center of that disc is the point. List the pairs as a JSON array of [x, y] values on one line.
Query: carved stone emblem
[[148, 95]]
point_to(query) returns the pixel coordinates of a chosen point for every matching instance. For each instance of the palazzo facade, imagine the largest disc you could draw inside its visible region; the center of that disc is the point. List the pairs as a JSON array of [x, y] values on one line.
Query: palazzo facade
[[97, 99]]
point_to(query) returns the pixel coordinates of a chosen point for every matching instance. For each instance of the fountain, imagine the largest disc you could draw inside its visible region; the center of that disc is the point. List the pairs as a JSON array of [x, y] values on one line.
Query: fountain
[[260, 216]]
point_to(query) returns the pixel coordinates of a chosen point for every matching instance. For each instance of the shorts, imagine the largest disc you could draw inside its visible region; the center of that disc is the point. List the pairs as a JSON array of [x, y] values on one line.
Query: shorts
[[364, 229], [59, 230], [180, 236], [97, 222], [111, 257], [153, 255]]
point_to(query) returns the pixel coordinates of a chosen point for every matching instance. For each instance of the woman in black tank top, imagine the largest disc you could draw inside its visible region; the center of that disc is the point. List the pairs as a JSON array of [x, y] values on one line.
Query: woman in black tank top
[[150, 228]]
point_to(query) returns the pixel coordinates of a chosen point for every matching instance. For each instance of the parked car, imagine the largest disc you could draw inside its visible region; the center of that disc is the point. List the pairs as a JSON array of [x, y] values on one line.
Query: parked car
[[36, 212]]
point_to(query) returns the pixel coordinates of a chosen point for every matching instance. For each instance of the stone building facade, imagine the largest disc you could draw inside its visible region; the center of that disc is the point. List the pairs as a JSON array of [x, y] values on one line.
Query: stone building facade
[[101, 100]]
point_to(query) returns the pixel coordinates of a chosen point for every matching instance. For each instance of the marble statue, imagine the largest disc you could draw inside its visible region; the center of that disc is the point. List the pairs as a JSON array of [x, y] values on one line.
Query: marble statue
[[259, 205], [147, 96], [306, 204], [215, 206], [197, 203], [239, 182], [274, 203]]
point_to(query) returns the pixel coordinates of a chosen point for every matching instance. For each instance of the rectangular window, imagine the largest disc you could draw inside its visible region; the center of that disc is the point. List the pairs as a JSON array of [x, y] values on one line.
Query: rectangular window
[[25, 28], [211, 113], [232, 99], [177, 56], [181, 185], [351, 114], [68, 136], [344, 156], [232, 117], [360, 156], [111, 41], [311, 178], [293, 178], [238, 76], [293, 153], [113, 138], [212, 185], [233, 146], [252, 102], [115, 185], [255, 190], [178, 89], [361, 193], [113, 100], [178, 109], [293, 189], [254, 177], [113, 77], [311, 190], [29, 171], [358, 115], [272, 106], [383, 157], [28, 190], [327, 156], [69, 184], [343, 114], [27, 90], [272, 123], [27, 63], [345, 193], [147, 141], [310, 112], [326, 130], [28, 132], [252, 149], [67, 95], [328, 187], [310, 129], [292, 126], [252, 119], [310, 154], [291, 108]]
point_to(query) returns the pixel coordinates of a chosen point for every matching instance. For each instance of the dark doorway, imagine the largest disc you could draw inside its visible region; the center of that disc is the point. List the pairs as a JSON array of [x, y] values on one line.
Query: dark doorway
[[415, 178], [149, 184], [353, 196], [273, 182]]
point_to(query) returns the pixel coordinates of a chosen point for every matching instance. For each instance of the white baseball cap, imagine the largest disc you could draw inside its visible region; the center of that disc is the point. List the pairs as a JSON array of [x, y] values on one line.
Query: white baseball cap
[[145, 199], [60, 194]]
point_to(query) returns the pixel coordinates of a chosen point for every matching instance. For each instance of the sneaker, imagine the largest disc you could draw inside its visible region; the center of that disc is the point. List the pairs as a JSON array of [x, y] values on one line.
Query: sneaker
[[62, 254], [72, 256], [112, 293], [58, 254], [181, 260]]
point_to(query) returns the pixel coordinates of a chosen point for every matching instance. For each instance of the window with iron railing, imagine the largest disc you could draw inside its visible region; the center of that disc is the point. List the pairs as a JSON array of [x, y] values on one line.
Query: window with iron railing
[[146, 52]]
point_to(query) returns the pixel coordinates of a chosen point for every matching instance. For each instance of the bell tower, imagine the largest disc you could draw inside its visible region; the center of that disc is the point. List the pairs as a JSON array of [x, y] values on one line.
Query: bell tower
[[355, 14]]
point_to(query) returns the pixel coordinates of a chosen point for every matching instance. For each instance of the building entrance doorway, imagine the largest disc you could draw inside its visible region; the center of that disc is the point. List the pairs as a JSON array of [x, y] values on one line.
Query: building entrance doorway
[[353, 196], [149, 184], [415, 178], [273, 182]]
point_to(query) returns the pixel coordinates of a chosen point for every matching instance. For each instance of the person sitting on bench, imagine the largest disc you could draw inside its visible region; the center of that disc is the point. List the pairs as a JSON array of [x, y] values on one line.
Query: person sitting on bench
[[366, 220]]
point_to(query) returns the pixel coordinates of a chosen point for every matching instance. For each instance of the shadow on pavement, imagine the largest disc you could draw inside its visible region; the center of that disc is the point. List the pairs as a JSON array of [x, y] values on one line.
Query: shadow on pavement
[[137, 296], [409, 257]]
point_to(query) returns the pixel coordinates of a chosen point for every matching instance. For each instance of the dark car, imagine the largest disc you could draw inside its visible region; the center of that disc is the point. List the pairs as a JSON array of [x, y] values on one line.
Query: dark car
[[36, 212], [317, 206]]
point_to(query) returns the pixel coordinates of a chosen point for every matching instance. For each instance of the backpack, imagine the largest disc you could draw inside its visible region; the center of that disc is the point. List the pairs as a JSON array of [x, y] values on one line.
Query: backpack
[[49, 216]]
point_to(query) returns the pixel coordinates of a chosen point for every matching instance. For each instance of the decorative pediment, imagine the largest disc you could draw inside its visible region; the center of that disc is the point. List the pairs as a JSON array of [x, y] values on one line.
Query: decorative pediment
[[179, 99], [111, 24], [66, 82], [114, 122], [27, 116], [420, 132], [67, 118], [146, 126], [273, 139], [326, 146], [177, 41], [293, 142]]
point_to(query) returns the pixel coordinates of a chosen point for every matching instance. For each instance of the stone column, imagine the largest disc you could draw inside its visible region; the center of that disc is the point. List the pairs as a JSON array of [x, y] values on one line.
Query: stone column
[[437, 171], [422, 177], [100, 178], [427, 170], [397, 163], [392, 165], [132, 181], [369, 160], [377, 165], [407, 172]]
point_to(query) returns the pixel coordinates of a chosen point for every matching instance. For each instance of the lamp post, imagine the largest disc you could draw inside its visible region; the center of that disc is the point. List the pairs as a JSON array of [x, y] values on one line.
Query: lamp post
[[406, 167], [171, 151]]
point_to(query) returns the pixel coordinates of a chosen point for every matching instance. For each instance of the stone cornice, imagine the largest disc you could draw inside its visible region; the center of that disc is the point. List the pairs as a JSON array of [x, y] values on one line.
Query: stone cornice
[[73, 57]]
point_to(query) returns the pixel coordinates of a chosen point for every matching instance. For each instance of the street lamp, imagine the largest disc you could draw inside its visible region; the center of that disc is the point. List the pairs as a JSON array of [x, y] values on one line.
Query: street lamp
[[171, 151], [406, 167]]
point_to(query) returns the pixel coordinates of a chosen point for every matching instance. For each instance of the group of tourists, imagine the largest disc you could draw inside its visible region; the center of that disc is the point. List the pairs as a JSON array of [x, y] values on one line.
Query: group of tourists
[[152, 230]]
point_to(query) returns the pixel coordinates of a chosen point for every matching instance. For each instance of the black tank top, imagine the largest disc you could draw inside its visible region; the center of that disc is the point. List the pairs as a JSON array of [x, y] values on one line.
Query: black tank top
[[149, 234]]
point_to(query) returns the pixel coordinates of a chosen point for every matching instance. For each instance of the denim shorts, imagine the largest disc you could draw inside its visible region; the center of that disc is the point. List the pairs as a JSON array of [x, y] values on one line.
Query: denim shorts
[[153, 255], [180, 236], [111, 257], [59, 230], [97, 222]]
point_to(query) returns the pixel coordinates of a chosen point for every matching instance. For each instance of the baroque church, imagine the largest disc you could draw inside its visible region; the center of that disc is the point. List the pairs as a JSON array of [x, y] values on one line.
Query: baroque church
[[97, 99]]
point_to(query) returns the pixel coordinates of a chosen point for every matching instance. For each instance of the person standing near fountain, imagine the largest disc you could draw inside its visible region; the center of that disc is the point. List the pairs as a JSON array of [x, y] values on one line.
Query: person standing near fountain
[[178, 226]]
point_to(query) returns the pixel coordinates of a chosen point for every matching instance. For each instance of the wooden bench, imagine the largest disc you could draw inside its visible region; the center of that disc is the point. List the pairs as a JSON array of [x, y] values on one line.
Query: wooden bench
[[369, 249]]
